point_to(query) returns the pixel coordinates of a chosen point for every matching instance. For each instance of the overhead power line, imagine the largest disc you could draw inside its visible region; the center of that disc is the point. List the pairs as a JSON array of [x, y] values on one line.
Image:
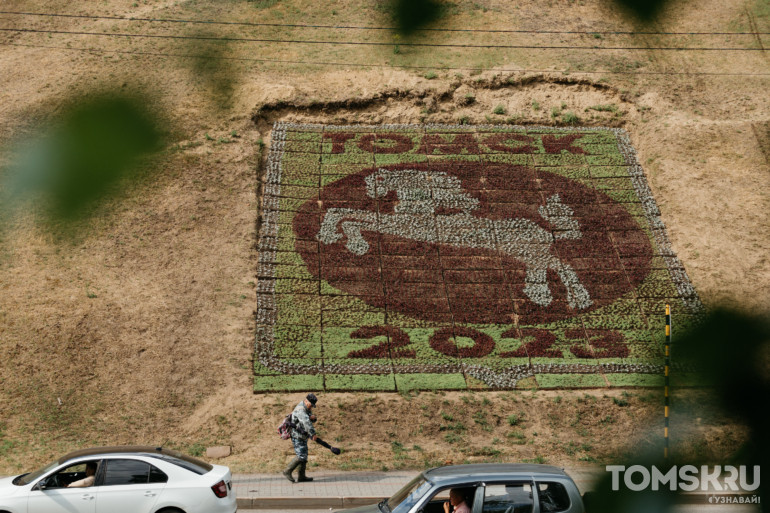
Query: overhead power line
[[364, 27], [388, 66], [360, 27], [376, 43]]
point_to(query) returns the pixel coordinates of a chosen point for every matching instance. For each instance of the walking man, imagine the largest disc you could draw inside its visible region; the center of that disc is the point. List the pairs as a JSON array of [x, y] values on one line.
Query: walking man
[[303, 430]]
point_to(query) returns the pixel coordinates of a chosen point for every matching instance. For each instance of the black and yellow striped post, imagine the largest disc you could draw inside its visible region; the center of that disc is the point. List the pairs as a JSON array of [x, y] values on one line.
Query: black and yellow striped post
[[666, 383]]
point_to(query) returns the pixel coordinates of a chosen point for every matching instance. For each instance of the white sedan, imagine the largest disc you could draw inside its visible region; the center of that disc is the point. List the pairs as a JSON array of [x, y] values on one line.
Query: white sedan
[[121, 480]]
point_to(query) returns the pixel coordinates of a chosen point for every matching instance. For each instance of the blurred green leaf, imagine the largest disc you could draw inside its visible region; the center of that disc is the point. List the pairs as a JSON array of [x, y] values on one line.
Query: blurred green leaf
[[731, 349], [642, 10], [213, 69], [411, 15], [603, 499], [95, 144]]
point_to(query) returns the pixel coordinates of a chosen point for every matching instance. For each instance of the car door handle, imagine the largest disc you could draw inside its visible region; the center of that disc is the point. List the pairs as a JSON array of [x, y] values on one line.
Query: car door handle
[[149, 494], [87, 497]]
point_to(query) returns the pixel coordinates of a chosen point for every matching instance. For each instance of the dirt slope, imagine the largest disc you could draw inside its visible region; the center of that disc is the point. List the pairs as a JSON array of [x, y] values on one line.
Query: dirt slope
[[141, 329]]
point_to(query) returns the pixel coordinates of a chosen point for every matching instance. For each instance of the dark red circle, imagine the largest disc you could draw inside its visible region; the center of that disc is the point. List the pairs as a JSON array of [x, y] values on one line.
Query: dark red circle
[[439, 282]]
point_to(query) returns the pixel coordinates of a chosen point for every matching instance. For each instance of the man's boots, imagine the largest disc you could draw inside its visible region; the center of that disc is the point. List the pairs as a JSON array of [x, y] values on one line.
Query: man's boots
[[294, 464], [301, 477]]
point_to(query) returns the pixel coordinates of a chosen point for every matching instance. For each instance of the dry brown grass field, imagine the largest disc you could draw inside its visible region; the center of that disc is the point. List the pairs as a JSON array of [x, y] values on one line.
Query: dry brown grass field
[[138, 327]]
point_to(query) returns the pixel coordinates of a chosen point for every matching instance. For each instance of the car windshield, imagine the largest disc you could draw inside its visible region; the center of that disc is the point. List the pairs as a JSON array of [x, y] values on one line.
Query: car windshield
[[26, 479], [408, 496]]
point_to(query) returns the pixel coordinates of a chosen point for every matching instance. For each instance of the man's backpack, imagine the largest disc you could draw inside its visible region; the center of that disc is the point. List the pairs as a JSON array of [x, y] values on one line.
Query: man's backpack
[[284, 430]]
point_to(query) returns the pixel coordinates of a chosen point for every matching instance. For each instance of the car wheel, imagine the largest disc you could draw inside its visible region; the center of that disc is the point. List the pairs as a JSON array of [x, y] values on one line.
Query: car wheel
[[164, 510]]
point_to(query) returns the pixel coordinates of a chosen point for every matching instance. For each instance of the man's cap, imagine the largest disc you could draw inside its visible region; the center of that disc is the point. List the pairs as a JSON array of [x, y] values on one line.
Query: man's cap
[[312, 398]]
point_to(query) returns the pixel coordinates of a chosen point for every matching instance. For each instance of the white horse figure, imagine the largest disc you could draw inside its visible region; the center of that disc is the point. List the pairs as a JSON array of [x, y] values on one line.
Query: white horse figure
[[421, 193]]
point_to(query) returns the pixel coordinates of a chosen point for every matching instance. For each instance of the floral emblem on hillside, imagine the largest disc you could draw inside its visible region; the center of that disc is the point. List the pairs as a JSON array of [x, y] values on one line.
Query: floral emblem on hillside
[[419, 194], [448, 257]]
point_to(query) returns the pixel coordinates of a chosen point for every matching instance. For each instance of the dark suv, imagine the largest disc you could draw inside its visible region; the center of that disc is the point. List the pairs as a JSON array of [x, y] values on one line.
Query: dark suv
[[486, 488]]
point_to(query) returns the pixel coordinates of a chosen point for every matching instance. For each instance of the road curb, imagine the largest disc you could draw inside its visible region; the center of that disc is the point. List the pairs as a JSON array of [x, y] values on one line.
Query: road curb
[[305, 502]]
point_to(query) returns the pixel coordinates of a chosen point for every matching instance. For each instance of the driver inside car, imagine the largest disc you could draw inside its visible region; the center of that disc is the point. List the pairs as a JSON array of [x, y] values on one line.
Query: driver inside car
[[88, 480], [458, 502]]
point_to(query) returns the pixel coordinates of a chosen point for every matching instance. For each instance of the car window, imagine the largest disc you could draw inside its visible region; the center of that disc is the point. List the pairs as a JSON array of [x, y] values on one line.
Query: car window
[[157, 475], [553, 497], [74, 475], [508, 498], [443, 495], [467, 494], [182, 460], [406, 497], [73, 472], [126, 472]]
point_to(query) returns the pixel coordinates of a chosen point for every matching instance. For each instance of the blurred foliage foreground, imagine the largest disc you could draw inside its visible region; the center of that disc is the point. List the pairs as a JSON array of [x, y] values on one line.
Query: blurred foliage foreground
[[97, 143], [731, 351]]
